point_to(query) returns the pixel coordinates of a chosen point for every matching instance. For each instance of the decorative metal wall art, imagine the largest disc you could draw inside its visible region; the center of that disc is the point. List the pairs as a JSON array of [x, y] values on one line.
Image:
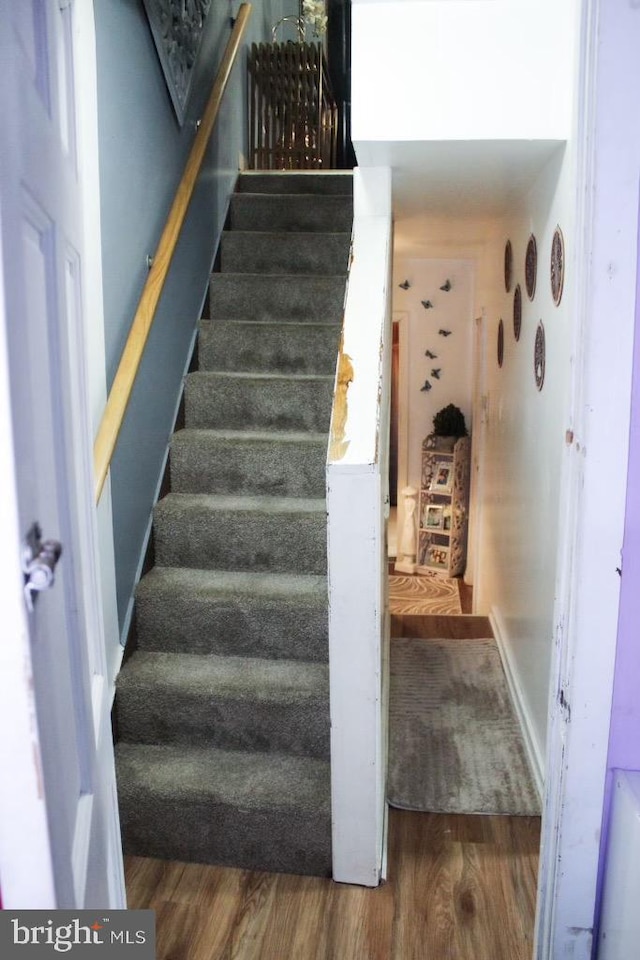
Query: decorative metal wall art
[[446, 286], [430, 355], [500, 343], [557, 265], [426, 304], [435, 373], [539, 356], [404, 285], [426, 386], [517, 312], [444, 333], [508, 266], [531, 267], [177, 27]]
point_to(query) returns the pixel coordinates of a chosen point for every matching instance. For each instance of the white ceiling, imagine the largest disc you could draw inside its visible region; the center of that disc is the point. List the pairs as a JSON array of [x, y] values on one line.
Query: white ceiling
[[460, 179]]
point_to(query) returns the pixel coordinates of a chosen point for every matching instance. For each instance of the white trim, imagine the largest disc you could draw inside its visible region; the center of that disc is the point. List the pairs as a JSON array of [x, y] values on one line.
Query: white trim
[[402, 317], [86, 91], [532, 747], [81, 845], [473, 571]]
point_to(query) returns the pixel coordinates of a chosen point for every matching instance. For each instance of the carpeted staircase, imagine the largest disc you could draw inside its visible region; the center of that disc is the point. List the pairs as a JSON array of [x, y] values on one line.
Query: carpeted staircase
[[223, 709]]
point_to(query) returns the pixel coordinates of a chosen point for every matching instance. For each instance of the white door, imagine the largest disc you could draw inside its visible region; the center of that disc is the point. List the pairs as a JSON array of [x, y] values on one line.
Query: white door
[[59, 841]]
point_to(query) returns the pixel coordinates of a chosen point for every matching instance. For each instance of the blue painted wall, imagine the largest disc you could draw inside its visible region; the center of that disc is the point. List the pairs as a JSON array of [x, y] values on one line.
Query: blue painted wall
[[142, 155]]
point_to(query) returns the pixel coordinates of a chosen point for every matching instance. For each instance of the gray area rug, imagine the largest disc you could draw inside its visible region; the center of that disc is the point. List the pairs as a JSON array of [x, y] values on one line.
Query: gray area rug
[[455, 743]]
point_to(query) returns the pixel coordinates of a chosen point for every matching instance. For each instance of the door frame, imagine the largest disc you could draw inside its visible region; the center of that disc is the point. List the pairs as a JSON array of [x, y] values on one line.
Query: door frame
[[84, 40], [480, 399], [401, 318], [594, 472]]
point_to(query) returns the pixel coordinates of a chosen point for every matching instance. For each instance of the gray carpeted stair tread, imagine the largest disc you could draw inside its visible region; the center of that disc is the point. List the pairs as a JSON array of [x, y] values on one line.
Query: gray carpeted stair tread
[[321, 254], [250, 436], [235, 703], [251, 810], [289, 347], [287, 506], [268, 376], [233, 612], [288, 212], [289, 182], [237, 461], [280, 297], [275, 534], [258, 400]]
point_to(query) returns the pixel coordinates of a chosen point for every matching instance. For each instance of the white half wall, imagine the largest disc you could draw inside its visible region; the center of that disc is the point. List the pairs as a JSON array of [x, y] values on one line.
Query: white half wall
[[357, 466]]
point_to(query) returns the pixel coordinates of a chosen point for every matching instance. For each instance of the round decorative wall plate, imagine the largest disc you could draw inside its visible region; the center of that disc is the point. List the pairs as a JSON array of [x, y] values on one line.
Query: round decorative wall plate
[[517, 312], [508, 266], [557, 265], [539, 356], [500, 343], [531, 267]]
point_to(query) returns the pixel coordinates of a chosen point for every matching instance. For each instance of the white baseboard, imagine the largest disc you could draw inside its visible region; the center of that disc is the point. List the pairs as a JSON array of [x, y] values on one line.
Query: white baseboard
[[532, 747]]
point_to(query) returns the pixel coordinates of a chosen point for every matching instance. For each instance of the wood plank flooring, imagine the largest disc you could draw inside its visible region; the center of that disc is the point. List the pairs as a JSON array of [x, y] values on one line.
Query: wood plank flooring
[[459, 888]]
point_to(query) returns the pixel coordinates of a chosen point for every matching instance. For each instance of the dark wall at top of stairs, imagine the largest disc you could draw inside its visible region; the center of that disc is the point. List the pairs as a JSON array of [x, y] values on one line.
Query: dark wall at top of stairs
[[142, 154]]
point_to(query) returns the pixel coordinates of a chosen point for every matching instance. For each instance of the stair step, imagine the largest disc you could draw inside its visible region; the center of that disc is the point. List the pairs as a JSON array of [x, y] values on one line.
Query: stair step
[[300, 213], [225, 345], [244, 462], [322, 254], [254, 296], [282, 616], [250, 810], [263, 534], [252, 401], [233, 703], [307, 182]]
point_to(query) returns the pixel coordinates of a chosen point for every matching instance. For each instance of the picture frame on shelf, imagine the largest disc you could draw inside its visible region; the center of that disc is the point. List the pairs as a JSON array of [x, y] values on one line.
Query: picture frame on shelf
[[438, 556], [442, 477], [433, 516]]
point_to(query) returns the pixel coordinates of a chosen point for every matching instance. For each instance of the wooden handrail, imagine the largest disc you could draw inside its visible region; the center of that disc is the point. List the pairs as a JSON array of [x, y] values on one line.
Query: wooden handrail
[[122, 385]]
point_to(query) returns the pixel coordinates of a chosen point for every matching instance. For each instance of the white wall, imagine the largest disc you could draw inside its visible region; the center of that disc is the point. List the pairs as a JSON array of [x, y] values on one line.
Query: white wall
[[419, 332], [515, 83], [525, 437]]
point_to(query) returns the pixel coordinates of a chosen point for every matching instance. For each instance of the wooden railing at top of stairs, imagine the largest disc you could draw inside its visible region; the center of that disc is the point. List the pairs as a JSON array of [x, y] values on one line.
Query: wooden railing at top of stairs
[[120, 393], [293, 117]]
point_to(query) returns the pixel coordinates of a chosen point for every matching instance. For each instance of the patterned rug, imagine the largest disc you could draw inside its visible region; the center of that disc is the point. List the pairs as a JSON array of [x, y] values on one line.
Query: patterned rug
[[455, 745], [424, 595]]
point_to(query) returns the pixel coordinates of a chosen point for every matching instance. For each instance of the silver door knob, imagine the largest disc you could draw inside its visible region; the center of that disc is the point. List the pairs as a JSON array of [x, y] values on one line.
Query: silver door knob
[[39, 559]]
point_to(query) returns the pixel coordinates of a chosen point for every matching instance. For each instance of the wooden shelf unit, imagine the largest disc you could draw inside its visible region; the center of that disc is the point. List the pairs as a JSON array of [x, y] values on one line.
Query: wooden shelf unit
[[444, 506]]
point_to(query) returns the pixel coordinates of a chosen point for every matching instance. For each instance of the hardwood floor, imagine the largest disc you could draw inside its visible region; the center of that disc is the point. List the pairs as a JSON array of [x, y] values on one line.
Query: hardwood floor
[[446, 628], [459, 888]]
